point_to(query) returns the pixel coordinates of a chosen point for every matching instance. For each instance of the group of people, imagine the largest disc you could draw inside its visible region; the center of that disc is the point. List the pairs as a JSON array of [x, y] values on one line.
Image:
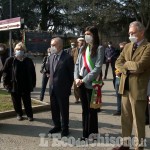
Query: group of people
[[62, 69]]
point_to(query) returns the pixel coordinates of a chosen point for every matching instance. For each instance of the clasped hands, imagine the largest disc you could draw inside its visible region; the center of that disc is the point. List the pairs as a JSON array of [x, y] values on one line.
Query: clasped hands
[[78, 82]]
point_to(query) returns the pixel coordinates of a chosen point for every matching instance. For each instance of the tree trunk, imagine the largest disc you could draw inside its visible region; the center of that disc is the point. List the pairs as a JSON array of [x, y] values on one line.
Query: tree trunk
[[44, 18]]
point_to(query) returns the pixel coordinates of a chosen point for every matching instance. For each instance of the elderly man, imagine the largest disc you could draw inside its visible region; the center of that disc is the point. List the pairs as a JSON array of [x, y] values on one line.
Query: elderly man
[[74, 54], [60, 69], [134, 65]]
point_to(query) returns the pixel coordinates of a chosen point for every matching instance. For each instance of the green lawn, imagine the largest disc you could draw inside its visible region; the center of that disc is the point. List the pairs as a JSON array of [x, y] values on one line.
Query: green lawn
[[6, 102]]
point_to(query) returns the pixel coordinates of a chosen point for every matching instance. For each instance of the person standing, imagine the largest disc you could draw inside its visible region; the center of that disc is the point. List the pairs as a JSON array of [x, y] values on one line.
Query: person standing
[[147, 121], [45, 77], [133, 63], [117, 83], [19, 78], [74, 54], [60, 69], [69, 50], [110, 55], [83, 75], [3, 56]]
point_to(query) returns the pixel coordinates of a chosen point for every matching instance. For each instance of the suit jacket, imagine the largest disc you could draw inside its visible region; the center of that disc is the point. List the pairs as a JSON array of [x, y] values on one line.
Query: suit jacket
[[43, 66], [136, 67], [74, 54], [110, 53], [89, 77], [62, 79], [148, 89]]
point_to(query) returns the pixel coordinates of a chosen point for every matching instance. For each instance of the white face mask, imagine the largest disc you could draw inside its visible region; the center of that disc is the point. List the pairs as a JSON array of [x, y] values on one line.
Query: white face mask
[[88, 38], [133, 38], [53, 50], [49, 54], [72, 46], [1, 48], [19, 53]]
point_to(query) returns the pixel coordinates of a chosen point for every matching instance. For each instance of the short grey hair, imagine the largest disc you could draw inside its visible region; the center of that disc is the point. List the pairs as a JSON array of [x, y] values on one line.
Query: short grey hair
[[139, 25], [59, 40]]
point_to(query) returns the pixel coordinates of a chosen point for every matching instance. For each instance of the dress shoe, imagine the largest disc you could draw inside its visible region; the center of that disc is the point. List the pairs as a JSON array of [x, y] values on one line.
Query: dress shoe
[[30, 118], [77, 102], [147, 121], [83, 139], [55, 130], [19, 118], [118, 113], [41, 99], [121, 148], [104, 78], [99, 110], [65, 132]]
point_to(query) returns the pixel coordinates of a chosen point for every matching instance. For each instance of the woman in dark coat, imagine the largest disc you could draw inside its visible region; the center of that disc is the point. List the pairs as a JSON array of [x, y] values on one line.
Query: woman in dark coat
[[19, 78]]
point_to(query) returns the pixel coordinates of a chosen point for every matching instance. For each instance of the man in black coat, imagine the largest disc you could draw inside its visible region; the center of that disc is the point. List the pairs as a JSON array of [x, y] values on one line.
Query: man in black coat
[[60, 69]]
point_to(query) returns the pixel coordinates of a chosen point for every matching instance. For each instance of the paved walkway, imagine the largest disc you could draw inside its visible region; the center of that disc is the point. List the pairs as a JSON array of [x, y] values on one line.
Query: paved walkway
[[25, 135]]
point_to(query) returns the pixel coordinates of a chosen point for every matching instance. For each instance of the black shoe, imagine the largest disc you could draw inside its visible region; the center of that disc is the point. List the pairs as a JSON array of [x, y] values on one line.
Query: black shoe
[[147, 121], [83, 139], [41, 99], [117, 113], [99, 110], [121, 148], [55, 130], [30, 118], [19, 118], [65, 132], [77, 102]]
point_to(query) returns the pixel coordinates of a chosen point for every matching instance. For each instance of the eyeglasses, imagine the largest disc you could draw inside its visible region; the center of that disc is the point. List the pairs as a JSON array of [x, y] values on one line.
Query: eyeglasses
[[52, 45], [133, 33]]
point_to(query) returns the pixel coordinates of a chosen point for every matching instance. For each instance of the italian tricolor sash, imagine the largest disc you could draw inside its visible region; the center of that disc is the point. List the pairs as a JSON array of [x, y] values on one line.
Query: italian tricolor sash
[[87, 60], [96, 93]]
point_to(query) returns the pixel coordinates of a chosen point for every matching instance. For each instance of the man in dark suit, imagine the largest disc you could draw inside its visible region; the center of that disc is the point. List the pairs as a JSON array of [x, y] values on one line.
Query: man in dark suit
[[60, 69]]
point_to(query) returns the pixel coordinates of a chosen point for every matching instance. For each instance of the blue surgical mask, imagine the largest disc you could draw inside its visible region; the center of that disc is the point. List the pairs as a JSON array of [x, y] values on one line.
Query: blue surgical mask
[[19, 53]]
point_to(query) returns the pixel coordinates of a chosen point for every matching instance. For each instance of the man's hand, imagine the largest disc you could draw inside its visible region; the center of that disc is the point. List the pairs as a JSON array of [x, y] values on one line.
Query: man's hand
[[126, 64], [48, 75]]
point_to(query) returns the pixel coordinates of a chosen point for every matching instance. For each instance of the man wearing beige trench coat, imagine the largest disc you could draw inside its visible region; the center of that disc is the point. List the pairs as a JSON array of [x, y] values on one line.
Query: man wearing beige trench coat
[[134, 64]]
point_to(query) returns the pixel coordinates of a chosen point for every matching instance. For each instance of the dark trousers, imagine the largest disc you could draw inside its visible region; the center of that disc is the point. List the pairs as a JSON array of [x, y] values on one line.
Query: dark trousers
[[43, 88], [89, 115], [0, 76], [113, 70], [60, 110], [26, 98], [147, 112]]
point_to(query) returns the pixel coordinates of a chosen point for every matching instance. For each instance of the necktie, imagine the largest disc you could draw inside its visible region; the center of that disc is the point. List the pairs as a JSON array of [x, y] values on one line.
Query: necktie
[[134, 48], [55, 61]]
